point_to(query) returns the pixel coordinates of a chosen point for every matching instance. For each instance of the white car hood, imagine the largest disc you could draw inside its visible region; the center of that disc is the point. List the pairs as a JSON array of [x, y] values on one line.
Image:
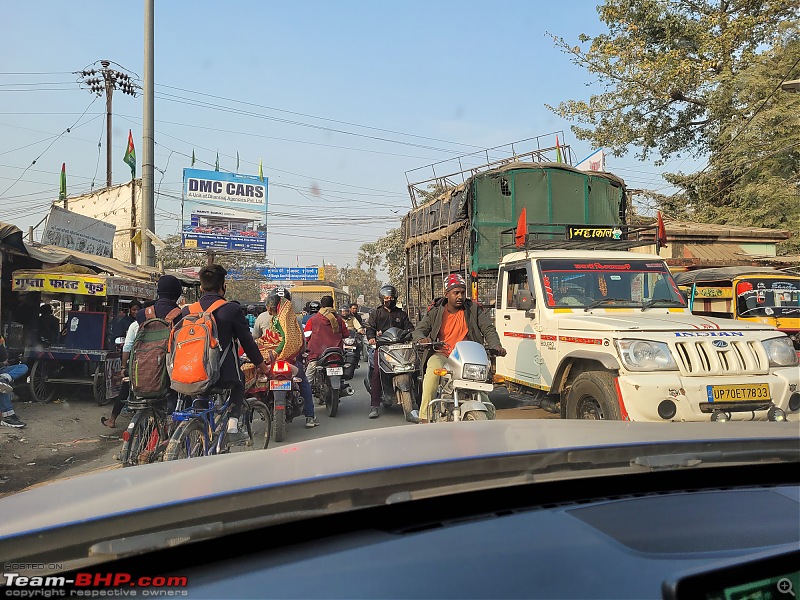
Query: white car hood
[[652, 320]]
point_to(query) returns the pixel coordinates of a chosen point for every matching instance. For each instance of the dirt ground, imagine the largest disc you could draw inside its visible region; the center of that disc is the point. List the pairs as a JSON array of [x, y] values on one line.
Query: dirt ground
[[63, 438]]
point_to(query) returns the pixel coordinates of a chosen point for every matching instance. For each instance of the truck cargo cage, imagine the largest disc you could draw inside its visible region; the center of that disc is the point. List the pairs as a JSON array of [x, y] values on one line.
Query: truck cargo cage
[[566, 236]]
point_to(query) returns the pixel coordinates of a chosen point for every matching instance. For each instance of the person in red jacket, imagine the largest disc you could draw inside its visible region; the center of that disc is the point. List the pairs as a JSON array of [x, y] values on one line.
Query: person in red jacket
[[325, 329]]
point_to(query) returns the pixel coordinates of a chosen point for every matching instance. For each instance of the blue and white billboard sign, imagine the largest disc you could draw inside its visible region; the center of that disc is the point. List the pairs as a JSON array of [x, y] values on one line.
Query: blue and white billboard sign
[[224, 211], [284, 273]]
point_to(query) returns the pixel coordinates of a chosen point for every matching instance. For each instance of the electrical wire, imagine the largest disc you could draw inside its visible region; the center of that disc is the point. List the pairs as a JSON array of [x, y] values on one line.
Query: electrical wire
[[48, 147]]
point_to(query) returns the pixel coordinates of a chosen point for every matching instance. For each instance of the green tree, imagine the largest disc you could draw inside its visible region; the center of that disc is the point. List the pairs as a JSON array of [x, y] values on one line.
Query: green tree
[[700, 79]]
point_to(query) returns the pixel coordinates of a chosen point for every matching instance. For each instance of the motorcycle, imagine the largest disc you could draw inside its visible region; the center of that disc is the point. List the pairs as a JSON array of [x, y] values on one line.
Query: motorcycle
[[464, 386], [284, 400], [399, 365], [334, 368]]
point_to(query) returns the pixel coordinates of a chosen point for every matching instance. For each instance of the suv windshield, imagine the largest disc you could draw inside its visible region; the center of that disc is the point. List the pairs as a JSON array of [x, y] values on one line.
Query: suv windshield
[[607, 283], [757, 297]]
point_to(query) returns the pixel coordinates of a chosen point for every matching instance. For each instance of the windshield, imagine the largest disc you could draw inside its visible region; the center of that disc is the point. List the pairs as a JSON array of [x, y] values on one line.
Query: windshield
[[607, 283], [757, 297]]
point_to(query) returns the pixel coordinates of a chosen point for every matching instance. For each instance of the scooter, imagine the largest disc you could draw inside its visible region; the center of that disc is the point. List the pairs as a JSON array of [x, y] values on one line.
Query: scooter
[[399, 365], [464, 386]]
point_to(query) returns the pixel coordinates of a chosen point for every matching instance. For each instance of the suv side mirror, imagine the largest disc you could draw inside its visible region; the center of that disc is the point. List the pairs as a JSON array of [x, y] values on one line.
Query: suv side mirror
[[524, 300]]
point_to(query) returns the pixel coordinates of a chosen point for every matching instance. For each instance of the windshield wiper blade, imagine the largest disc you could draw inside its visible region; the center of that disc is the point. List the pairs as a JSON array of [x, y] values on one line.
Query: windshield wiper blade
[[601, 301], [665, 301]]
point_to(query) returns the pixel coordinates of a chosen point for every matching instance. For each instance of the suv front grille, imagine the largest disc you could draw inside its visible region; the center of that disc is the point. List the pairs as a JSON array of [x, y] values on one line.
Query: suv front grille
[[740, 357]]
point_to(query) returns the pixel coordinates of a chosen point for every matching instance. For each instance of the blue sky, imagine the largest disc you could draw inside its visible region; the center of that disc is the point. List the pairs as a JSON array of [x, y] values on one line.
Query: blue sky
[[432, 80]]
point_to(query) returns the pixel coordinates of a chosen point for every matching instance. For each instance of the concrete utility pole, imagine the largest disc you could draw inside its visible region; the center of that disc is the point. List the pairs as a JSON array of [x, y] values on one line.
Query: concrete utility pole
[[105, 81], [148, 153]]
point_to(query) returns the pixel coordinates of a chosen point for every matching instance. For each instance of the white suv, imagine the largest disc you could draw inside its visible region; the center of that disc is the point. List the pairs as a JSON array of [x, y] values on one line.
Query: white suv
[[609, 335]]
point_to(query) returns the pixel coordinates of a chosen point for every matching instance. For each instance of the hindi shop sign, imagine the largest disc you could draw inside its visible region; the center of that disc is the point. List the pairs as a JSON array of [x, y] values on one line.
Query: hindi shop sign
[[73, 231], [60, 284], [224, 211]]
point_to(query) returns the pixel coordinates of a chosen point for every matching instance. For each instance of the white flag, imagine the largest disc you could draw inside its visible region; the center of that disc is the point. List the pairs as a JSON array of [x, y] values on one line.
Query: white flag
[[596, 161]]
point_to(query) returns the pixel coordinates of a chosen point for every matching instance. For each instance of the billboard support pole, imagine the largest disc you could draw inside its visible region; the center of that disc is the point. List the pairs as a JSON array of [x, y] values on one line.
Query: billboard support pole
[[210, 256]]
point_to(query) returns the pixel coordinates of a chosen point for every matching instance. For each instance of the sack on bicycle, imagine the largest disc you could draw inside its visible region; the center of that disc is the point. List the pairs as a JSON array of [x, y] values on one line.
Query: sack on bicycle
[[148, 360], [194, 353]]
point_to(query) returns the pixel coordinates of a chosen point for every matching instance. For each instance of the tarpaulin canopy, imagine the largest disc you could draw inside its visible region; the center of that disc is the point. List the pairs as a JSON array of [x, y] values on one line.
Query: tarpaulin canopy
[[11, 237]]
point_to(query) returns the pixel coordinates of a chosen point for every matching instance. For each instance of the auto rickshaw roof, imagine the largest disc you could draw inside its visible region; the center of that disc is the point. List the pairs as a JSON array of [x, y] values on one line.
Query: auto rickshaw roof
[[723, 274]]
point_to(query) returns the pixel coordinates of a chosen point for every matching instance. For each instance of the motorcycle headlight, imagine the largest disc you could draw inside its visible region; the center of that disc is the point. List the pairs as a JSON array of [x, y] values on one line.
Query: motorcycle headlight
[[781, 352], [644, 355], [475, 372]]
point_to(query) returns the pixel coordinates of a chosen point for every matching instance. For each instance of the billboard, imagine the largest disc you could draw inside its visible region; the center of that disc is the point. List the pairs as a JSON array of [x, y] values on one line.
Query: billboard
[[284, 273], [74, 231], [224, 211], [120, 206]]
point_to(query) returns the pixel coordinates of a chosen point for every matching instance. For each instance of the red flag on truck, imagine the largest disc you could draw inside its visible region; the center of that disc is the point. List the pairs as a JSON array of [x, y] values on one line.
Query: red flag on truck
[[661, 231], [522, 229]]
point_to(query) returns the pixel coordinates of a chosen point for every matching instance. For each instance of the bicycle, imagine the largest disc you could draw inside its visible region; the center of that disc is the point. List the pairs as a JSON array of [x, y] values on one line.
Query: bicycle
[[202, 428], [146, 437]]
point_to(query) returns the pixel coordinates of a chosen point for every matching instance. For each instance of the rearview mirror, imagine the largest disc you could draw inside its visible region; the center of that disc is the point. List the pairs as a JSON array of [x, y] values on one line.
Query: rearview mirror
[[524, 300]]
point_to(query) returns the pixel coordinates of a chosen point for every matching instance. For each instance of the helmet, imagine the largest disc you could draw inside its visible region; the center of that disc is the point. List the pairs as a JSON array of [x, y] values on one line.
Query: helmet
[[388, 290], [313, 307], [251, 308]]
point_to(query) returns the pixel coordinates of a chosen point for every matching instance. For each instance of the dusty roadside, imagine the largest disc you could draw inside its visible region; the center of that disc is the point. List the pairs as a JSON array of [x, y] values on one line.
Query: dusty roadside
[[62, 438]]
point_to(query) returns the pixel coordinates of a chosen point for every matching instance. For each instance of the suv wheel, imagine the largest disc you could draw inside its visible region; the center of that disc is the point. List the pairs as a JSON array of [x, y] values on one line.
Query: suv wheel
[[594, 397]]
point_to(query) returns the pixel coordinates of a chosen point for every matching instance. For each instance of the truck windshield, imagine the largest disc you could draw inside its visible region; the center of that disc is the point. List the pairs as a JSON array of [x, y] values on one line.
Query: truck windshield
[[607, 283], [757, 297]]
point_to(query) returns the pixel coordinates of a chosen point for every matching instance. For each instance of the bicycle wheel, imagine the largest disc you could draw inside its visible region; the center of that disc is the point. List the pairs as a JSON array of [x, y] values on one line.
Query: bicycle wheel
[[140, 438], [188, 441], [256, 423]]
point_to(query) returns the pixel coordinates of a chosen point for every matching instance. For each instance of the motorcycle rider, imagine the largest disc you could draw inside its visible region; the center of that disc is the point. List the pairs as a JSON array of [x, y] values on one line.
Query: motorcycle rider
[[273, 305], [325, 329], [380, 319], [356, 326], [451, 320], [313, 308]]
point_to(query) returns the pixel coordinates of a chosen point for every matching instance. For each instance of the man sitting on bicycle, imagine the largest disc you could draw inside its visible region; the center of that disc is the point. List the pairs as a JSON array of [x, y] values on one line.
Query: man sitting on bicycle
[[232, 326]]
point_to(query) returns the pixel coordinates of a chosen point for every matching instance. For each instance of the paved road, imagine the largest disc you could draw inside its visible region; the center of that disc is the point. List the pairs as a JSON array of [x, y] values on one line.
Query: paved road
[[353, 411]]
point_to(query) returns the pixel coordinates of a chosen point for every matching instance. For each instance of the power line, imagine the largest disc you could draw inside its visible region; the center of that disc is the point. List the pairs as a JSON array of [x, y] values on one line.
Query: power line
[[320, 118], [48, 147]]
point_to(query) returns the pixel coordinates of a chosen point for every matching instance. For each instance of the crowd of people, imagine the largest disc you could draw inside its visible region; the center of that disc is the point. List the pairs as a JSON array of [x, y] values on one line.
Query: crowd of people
[[450, 319]]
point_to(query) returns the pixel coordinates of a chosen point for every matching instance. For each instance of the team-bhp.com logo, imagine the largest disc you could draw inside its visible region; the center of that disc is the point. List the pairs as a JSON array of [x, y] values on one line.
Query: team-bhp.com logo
[[93, 585]]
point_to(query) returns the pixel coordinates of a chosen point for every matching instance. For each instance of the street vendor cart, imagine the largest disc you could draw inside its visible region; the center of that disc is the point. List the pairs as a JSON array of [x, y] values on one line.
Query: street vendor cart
[[84, 353]]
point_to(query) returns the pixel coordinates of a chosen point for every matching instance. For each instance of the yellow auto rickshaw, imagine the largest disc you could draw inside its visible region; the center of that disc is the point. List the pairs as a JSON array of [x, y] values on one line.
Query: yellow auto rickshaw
[[758, 294]]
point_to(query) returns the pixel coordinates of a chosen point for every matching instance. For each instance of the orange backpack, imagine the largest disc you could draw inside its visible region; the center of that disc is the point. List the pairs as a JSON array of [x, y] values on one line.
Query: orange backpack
[[194, 353]]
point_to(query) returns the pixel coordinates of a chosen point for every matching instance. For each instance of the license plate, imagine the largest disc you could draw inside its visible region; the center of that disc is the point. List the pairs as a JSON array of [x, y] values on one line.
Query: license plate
[[740, 392], [280, 385], [335, 371], [402, 346]]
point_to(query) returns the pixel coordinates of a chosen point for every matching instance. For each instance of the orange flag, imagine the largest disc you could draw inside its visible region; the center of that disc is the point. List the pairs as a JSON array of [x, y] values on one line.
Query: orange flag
[[522, 228]]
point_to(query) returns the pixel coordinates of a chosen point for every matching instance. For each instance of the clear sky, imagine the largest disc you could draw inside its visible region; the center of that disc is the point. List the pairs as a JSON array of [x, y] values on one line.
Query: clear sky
[[339, 98]]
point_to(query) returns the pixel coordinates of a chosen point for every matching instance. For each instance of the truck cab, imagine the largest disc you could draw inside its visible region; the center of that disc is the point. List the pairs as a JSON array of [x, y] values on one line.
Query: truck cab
[[607, 334]]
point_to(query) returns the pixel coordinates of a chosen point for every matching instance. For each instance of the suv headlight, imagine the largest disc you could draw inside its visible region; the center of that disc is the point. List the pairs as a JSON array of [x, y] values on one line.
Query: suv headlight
[[644, 355], [780, 351], [475, 372]]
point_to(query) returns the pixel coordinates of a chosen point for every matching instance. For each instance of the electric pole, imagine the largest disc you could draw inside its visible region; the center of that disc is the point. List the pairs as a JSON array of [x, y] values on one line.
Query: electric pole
[[148, 141], [104, 81]]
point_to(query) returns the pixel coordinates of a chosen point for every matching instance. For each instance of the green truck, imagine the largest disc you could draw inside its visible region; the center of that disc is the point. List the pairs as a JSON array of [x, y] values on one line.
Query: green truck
[[462, 229]]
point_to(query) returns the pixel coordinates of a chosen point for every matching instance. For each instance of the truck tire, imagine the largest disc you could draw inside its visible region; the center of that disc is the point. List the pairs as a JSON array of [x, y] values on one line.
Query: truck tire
[[593, 396]]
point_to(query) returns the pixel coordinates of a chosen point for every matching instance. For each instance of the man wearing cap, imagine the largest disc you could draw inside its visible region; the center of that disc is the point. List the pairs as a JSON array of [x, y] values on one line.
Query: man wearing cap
[[450, 320], [169, 289]]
